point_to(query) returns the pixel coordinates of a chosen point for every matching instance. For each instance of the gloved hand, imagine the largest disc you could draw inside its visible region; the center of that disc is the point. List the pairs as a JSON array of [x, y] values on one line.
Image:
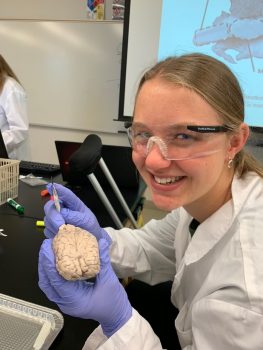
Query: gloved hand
[[73, 211], [104, 301]]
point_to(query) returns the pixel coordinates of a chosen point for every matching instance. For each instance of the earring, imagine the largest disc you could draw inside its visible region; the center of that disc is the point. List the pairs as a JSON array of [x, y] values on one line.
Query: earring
[[230, 163]]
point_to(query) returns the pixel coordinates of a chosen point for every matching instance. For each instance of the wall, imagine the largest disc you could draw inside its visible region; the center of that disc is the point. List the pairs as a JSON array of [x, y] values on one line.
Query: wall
[[41, 138]]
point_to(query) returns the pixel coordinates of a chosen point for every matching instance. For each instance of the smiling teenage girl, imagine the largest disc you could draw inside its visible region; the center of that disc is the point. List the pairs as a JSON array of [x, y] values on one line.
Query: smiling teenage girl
[[188, 137]]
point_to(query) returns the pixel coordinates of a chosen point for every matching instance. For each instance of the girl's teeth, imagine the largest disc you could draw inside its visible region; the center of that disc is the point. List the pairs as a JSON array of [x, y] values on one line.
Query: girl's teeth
[[168, 180]]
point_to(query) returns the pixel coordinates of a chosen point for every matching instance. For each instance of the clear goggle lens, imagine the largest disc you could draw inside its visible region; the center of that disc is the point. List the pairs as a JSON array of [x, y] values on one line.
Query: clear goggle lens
[[180, 142]]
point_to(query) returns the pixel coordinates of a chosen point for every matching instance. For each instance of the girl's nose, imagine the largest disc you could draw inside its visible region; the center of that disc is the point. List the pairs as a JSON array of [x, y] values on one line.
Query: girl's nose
[[155, 158]]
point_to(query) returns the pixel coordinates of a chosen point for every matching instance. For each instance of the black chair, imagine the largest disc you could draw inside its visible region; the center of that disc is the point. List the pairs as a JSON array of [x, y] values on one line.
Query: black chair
[[106, 179]]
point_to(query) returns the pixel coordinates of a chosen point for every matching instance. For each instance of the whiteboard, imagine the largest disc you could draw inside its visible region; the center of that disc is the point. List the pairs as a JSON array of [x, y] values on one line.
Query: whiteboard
[[69, 69]]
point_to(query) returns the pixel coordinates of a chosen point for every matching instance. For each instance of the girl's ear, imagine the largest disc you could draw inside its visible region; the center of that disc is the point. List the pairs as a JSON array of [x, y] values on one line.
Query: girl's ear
[[238, 140]]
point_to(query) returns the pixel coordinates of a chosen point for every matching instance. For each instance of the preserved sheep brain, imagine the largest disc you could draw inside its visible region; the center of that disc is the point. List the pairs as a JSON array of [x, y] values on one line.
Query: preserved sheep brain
[[76, 252]]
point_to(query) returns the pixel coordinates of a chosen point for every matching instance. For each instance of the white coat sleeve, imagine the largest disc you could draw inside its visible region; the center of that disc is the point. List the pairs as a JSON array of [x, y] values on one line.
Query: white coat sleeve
[[135, 334], [147, 253], [16, 115]]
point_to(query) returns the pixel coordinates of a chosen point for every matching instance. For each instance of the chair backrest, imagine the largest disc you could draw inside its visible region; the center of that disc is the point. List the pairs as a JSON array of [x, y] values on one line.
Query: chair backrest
[[117, 158], [119, 162]]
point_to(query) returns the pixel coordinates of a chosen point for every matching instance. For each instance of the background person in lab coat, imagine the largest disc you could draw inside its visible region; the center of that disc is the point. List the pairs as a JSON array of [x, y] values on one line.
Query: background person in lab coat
[[13, 113], [188, 137]]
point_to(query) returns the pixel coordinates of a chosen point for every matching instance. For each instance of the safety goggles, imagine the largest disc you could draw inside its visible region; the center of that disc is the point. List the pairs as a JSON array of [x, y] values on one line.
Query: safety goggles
[[180, 141]]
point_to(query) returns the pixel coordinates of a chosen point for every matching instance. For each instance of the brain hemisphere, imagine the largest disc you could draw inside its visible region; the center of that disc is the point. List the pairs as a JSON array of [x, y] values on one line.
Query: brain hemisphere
[[76, 252]]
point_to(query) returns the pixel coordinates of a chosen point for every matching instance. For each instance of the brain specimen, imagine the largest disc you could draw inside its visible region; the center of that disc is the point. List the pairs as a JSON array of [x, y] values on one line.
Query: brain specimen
[[76, 252]]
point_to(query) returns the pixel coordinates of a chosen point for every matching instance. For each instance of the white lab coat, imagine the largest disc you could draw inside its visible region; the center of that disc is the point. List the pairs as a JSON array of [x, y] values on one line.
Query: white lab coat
[[13, 119], [217, 275]]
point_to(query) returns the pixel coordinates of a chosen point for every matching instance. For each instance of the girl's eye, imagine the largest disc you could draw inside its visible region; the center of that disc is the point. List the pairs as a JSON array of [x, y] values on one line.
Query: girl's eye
[[142, 135], [183, 137]]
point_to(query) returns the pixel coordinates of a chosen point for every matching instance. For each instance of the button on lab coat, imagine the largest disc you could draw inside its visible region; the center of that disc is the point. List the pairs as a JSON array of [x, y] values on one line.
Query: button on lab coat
[[217, 275]]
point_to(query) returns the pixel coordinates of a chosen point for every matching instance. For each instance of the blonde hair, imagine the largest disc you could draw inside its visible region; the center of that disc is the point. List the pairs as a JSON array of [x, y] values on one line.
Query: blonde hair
[[215, 82], [6, 71]]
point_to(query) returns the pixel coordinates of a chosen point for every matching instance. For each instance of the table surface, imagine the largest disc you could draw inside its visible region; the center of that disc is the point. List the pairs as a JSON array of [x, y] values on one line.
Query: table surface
[[19, 261]]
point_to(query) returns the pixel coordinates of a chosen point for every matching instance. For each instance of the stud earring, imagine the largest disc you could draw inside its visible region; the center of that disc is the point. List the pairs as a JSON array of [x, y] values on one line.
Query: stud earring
[[230, 163]]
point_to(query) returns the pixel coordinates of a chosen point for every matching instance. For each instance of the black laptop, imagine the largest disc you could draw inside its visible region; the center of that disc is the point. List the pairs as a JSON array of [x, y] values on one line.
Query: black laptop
[[28, 167]]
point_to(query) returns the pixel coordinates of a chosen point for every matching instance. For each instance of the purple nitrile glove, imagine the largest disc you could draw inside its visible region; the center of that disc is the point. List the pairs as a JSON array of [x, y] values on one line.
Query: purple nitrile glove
[[73, 211], [104, 301]]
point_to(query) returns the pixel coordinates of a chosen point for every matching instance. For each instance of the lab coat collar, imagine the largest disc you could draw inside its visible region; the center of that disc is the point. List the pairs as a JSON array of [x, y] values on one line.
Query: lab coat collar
[[211, 231]]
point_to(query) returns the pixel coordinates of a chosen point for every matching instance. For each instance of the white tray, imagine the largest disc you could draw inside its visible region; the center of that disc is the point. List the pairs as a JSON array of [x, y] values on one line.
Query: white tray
[[27, 326]]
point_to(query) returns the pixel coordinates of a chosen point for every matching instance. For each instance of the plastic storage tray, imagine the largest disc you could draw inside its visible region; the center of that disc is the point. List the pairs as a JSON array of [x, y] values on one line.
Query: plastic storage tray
[[9, 175], [26, 326]]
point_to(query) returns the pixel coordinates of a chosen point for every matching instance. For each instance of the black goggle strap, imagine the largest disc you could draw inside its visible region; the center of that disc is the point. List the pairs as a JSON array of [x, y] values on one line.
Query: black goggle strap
[[208, 129]]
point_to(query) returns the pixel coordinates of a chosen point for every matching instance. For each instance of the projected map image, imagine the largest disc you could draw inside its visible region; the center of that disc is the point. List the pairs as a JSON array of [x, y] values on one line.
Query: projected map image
[[240, 29], [229, 30]]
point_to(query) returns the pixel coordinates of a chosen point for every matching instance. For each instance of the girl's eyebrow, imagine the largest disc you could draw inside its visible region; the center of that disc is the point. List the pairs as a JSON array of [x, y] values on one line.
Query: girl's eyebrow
[[138, 124]]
